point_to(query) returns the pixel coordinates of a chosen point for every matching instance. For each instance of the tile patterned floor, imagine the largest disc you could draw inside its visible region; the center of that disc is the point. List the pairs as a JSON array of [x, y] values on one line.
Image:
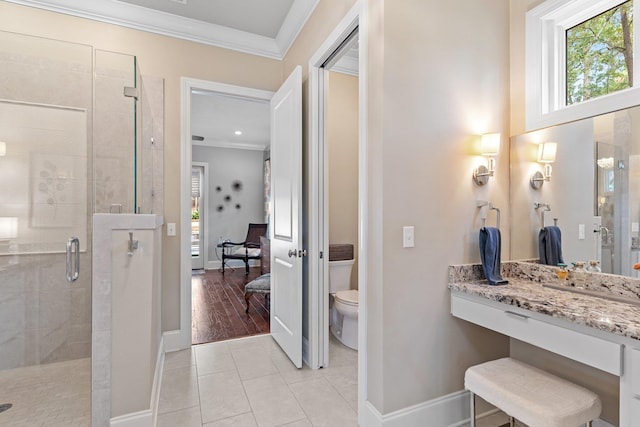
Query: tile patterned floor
[[51, 395], [249, 382]]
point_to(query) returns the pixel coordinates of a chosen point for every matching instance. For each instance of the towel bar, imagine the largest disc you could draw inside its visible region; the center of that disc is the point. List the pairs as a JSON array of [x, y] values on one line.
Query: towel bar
[[547, 208], [482, 203]]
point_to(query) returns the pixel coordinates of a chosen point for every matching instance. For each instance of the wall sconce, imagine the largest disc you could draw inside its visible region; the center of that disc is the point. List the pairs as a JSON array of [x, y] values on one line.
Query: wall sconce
[[489, 147], [3, 148], [546, 156]]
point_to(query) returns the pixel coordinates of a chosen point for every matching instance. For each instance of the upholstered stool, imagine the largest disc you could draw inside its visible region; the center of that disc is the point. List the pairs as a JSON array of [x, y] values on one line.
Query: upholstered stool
[[260, 285], [531, 395]]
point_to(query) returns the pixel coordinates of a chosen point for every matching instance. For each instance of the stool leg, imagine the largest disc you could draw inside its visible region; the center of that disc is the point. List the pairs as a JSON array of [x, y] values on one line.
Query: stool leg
[[512, 422], [472, 403], [589, 423]]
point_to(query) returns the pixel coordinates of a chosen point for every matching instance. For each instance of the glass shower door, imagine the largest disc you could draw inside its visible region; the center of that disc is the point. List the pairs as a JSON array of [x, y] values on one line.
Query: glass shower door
[[612, 208], [45, 199]]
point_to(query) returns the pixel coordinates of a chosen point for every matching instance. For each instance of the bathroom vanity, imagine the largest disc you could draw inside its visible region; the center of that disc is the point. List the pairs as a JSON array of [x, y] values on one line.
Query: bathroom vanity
[[595, 321]]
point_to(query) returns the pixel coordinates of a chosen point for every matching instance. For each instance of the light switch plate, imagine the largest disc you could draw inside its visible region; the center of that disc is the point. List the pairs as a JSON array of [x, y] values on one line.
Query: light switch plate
[[408, 237], [635, 227], [581, 232], [171, 229]]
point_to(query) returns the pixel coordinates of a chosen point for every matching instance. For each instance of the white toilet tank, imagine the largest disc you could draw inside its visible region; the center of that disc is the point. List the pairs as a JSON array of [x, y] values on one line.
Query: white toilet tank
[[340, 275], [341, 262]]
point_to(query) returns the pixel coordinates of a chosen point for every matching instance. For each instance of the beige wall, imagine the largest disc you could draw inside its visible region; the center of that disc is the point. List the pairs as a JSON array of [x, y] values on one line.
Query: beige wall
[[517, 10], [427, 99], [445, 79], [159, 56], [342, 129]]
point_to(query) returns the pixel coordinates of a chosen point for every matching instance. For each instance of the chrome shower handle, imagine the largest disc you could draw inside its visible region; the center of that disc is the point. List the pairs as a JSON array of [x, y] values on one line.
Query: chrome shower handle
[[73, 259]]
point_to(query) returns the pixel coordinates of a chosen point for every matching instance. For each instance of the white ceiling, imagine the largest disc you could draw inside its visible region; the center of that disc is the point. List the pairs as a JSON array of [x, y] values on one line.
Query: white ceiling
[[261, 27], [259, 17], [216, 117]]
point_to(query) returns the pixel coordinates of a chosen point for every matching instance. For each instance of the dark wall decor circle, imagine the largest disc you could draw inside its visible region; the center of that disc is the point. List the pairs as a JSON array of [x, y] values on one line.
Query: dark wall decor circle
[[227, 198], [238, 206], [236, 185], [220, 208], [218, 189]]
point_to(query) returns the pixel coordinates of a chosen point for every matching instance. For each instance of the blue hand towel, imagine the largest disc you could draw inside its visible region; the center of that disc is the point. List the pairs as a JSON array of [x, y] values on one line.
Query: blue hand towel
[[490, 255], [550, 246]]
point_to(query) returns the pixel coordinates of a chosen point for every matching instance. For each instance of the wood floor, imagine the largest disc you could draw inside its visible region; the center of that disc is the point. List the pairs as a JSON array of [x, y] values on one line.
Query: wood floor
[[218, 306]]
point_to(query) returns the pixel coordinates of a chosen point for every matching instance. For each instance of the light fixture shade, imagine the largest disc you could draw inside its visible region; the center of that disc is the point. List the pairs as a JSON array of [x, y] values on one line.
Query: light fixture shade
[[3, 148], [8, 227], [547, 152], [490, 144]]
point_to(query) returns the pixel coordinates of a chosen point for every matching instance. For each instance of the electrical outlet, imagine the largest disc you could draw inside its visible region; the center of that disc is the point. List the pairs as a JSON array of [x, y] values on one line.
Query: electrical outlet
[[171, 229]]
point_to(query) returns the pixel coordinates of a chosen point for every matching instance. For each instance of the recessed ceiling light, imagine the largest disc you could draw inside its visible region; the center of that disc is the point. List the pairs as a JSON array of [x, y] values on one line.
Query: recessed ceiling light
[[238, 132]]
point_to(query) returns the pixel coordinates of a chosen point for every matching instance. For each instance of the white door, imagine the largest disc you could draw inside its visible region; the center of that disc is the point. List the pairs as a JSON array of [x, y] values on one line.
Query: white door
[[286, 227]]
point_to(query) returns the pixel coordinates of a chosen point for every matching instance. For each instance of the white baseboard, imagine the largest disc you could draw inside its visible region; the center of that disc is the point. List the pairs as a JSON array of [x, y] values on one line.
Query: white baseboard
[[157, 382], [451, 410], [232, 263], [600, 423], [447, 410], [213, 265], [172, 341], [135, 419]]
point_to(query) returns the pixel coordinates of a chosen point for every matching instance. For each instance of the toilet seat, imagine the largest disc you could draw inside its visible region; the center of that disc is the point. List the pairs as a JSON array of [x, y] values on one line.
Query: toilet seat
[[349, 297]]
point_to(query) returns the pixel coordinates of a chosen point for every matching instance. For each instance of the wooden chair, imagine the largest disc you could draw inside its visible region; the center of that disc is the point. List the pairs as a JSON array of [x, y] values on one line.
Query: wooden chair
[[247, 250]]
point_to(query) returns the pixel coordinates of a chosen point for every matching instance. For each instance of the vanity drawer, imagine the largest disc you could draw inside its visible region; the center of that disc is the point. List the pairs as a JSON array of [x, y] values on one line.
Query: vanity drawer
[[587, 349]]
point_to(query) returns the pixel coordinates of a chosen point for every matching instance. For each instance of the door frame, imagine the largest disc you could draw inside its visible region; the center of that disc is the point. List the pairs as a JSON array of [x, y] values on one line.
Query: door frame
[[318, 202], [181, 338], [204, 213]]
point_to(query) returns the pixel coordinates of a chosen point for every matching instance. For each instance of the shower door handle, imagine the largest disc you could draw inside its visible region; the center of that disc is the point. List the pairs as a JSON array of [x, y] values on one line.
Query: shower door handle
[[73, 259]]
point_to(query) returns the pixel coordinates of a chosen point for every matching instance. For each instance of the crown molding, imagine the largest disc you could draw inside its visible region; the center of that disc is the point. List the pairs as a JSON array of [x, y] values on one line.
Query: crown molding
[[233, 145], [346, 65], [154, 21]]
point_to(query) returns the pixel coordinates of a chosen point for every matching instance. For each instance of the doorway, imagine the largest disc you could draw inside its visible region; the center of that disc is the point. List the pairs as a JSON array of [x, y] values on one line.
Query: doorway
[[230, 199], [351, 32]]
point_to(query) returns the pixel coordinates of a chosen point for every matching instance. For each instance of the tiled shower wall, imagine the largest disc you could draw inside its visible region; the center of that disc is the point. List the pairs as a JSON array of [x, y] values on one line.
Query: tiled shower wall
[[43, 318]]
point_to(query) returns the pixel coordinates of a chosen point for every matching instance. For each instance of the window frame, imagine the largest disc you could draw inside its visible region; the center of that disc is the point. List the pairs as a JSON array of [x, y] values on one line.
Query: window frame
[[545, 57]]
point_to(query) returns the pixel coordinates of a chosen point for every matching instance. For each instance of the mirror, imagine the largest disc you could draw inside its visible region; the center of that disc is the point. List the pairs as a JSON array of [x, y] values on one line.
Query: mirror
[[593, 193]]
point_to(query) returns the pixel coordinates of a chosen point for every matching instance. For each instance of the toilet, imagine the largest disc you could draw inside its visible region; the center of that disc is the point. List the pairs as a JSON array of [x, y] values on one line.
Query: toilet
[[343, 319]]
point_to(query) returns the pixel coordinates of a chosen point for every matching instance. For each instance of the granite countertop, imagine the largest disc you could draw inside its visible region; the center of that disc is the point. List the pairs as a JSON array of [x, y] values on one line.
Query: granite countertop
[[525, 291]]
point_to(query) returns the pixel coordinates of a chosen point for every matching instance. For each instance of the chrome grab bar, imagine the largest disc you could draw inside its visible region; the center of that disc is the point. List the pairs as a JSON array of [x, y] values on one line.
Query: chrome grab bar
[[73, 259]]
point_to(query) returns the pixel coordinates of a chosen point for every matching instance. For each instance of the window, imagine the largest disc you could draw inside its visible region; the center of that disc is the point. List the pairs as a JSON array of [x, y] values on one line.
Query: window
[[580, 60], [599, 54]]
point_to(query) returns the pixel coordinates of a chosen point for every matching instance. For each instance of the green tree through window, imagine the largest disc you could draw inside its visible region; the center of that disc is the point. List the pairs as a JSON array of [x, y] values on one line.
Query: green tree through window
[[600, 54]]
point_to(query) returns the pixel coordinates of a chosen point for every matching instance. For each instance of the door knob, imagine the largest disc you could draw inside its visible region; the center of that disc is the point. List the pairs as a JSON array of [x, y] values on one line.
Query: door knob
[[292, 253]]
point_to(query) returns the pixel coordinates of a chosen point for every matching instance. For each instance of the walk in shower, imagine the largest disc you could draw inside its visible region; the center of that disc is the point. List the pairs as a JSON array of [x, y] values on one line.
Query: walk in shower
[[80, 133]]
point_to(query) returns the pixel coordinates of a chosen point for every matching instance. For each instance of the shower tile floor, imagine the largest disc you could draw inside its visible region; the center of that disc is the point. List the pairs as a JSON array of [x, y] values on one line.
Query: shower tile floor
[[51, 395]]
